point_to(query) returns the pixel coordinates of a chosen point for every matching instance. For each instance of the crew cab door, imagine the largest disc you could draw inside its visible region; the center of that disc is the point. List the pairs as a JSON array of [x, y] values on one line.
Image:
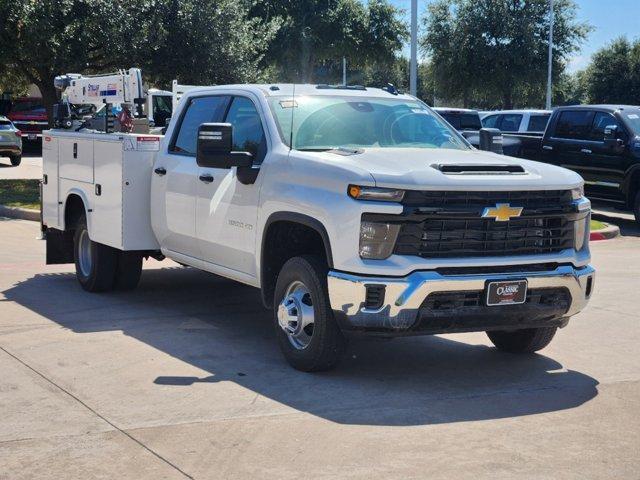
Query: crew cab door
[[226, 210], [606, 164], [175, 178], [566, 145]]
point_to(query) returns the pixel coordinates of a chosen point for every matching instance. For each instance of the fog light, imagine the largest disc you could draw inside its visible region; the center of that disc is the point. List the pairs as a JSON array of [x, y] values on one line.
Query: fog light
[[377, 240], [581, 232]]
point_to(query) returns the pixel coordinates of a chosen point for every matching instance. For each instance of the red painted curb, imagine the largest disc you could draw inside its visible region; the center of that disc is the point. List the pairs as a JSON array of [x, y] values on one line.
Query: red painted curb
[[611, 231]]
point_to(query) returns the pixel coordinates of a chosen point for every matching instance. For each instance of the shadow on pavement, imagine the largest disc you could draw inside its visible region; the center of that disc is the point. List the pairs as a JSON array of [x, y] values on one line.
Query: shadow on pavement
[[221, 327]]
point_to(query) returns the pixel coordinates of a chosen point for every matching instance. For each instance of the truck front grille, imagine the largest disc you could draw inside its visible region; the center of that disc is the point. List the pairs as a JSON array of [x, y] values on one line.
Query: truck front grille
[[479, 200], [480, 237]]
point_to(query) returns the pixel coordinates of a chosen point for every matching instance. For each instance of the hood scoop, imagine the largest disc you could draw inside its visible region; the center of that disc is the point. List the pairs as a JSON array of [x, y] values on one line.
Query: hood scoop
[[479, 169]]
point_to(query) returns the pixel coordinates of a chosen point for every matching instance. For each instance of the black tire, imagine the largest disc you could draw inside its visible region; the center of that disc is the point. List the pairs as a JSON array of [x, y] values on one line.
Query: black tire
[[527, 340], [327, 343], [128, 271], [636, 206], [97, 272], [15, 160]]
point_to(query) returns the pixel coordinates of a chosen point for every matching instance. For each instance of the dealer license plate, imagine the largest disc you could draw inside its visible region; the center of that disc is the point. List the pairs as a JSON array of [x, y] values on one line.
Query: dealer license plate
[[511, 292]]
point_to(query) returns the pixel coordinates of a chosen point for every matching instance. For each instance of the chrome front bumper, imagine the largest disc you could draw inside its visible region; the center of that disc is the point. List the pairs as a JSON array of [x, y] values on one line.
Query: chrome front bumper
[[404, 296]]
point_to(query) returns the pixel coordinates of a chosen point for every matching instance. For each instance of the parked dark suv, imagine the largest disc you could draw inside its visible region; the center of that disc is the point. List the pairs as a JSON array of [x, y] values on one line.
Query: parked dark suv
[[602, 144]]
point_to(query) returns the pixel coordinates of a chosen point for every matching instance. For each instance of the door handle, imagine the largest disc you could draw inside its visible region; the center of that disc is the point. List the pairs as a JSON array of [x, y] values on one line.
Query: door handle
[[206, 178], [160, 171], [585, 150]]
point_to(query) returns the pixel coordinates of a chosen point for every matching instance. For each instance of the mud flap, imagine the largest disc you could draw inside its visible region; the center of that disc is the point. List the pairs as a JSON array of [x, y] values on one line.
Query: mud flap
[[59, 246]]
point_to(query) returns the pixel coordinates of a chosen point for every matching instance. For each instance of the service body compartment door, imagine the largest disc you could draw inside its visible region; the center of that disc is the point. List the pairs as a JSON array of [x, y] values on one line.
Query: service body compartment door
[[107, 193], [139, 155], [76, 158], [50, 185]]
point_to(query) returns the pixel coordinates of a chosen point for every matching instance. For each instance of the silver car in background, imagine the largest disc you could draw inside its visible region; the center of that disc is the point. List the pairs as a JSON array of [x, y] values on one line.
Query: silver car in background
[[10, 141]]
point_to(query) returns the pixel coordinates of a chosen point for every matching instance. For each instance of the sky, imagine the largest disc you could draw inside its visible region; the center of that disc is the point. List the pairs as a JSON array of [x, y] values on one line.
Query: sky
[[610, 19]]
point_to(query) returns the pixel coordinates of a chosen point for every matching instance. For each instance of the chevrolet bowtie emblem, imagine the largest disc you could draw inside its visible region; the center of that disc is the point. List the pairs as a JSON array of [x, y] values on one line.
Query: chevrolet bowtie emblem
[[502, 212]]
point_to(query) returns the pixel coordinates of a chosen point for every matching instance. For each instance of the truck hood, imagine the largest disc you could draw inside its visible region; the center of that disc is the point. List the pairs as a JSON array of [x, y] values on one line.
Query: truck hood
[[421, 169]]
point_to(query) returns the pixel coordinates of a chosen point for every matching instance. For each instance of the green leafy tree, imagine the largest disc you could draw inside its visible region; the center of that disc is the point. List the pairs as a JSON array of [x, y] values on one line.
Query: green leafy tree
[[495, 51], [316, 34], [613, 76], [196, 41], [39, 40], [202, 42]]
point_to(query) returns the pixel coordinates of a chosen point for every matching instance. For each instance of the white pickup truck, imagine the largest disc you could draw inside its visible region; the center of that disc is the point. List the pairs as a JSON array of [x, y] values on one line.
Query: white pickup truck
[[354, 210]]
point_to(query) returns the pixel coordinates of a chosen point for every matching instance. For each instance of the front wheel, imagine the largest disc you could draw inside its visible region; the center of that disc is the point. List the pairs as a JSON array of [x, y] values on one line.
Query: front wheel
[[15, 160], [307, 332], [527, 340], [96, 264]]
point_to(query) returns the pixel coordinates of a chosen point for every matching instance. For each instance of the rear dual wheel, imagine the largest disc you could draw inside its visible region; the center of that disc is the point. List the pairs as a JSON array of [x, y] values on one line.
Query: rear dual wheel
[[100, 268]]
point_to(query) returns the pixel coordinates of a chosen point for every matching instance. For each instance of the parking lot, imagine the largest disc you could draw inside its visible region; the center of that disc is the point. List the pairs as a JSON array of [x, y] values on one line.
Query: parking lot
[[183, 379]]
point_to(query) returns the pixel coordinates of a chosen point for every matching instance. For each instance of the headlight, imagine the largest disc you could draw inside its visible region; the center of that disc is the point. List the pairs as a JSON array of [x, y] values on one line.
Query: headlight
[[375, 193], [577, 193], [377, 240], [581, 232]]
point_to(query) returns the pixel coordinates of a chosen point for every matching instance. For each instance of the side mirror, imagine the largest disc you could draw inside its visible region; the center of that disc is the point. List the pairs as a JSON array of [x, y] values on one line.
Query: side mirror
[[612, 137], [215, 143], [491, 140]]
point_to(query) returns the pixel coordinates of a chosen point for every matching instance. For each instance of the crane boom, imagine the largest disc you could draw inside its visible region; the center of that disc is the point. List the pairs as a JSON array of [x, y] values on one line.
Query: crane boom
[[125, 86]]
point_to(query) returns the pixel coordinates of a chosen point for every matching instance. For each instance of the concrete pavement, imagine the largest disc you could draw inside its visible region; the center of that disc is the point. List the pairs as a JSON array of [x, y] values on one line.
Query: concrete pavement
[[183, 379], [30, 167]]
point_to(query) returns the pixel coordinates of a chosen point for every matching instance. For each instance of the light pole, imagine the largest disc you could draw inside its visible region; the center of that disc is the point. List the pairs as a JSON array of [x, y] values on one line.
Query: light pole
[[550, 66], [413, 66], [344, 71]]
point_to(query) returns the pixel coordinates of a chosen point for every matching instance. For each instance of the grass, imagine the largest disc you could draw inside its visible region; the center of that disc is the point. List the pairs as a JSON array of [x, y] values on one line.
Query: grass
[[596, 225], [20, 193]]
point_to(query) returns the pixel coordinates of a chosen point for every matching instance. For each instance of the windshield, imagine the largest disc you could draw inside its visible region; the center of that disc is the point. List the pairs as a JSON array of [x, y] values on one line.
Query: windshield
[[463, 121], [325, 122], [632, 118], [31, 106]]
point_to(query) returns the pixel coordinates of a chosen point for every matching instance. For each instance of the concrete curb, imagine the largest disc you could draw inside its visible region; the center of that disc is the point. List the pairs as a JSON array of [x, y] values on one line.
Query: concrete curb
[[611, 231], [21, 213]]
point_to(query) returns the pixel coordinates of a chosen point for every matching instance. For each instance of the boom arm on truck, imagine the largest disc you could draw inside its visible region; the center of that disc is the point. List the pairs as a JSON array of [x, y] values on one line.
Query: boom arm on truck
[[123, 88]]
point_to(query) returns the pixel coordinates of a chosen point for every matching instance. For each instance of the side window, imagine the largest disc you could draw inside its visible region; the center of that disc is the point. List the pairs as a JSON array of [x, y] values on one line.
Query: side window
[[491, 121], [248, 135], [574, 124], [538, 123], [602, 120], [200, 110], [161, 109], [510, 122]]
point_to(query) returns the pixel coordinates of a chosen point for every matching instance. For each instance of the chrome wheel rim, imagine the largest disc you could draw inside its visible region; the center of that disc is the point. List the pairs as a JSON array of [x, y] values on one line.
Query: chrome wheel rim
[[84, 253], [296, 316]]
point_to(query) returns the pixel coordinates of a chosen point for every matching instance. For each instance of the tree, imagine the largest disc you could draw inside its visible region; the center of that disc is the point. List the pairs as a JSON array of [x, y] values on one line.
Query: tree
[[316, 34], [613, 76], [495, 51], [197, 41], [203, 42], [39, 40]]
